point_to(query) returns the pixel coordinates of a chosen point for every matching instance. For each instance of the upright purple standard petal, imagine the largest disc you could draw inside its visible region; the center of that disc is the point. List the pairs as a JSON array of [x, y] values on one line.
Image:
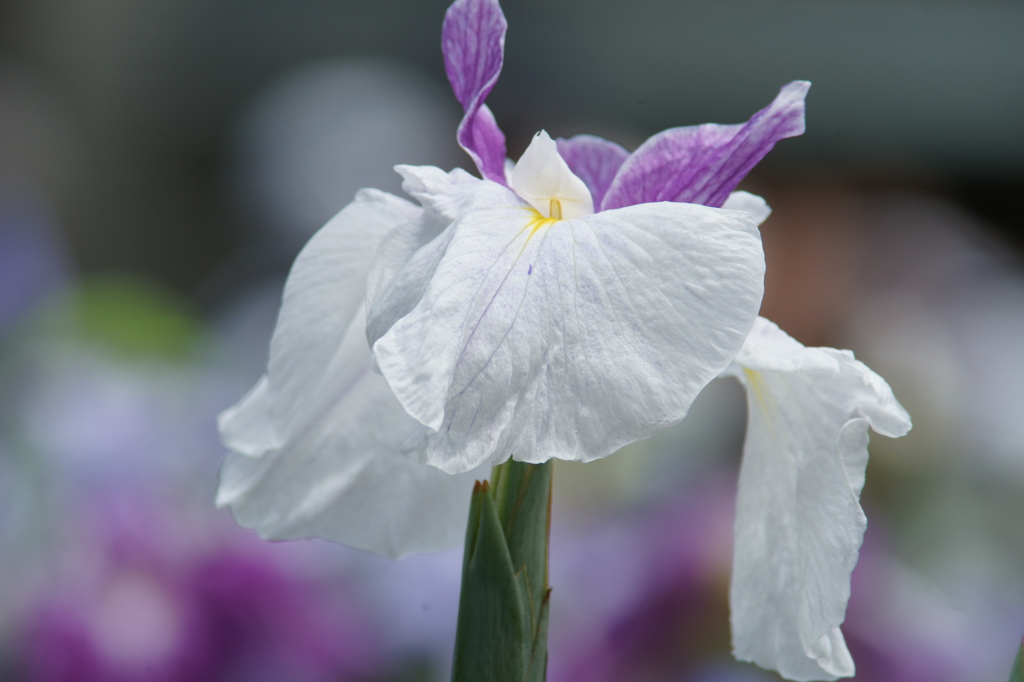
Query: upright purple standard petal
[[473, 42], [703, 164], [594, 160]]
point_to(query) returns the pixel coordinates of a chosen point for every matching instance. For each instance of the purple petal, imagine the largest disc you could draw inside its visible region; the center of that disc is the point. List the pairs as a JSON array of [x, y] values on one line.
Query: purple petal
[[473, 42], [483, 140], [594, 160], [703, 164]]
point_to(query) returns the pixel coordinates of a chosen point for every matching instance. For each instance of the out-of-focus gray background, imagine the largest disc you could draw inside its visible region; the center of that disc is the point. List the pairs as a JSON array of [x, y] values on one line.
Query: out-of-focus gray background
[[125, 111], [161, 163]]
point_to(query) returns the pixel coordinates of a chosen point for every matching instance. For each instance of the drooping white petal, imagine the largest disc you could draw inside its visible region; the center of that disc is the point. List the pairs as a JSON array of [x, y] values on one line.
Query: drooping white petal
[[325, 287], [541, 338], [543, 178], [316, 443], [343, 478], [749, 203], [799, 524]]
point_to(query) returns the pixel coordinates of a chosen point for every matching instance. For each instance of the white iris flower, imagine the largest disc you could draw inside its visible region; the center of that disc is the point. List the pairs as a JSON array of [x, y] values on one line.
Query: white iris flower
[[499, 331], [560, 309]]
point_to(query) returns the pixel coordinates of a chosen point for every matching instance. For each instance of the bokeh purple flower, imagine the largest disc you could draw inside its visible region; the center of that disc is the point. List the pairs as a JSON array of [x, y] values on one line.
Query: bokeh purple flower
[[140, 600]]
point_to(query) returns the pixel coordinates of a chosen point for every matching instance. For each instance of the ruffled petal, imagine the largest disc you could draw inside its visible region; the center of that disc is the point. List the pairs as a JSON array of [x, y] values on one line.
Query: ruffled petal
[[344, 479], [703, 164], [473, 42], [799, 524], [544, 338], [246, 428], [594, 160], [316, 443]]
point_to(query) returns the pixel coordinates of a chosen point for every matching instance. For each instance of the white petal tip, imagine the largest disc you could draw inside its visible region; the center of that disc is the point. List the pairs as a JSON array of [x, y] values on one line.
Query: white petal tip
[[543, 178]]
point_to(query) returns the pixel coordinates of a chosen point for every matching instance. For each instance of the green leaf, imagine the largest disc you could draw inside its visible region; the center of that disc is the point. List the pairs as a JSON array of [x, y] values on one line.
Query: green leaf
[[1017, 673], [503, 607], [493, 638], [522, 495]]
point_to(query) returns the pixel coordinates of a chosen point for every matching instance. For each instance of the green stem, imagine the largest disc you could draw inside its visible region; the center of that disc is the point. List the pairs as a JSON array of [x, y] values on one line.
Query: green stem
[[503, 608]]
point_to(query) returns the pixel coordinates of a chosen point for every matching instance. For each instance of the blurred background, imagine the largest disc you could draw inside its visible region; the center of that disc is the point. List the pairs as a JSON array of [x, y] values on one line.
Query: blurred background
[[161, 163]]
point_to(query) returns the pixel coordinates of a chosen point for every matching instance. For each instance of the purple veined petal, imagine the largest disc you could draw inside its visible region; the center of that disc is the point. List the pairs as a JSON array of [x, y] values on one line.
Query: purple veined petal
[[594, 160], [473, 42], [483, 140], [703, 164]]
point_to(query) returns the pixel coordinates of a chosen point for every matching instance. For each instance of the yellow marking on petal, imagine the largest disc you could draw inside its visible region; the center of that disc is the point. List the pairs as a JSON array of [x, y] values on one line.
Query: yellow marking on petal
[[538, 222], [759, 389], [756, 383], [535, 224]]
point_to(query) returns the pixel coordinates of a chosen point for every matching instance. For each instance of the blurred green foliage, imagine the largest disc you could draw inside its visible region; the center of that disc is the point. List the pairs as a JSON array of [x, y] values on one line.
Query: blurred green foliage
[[127, 315]]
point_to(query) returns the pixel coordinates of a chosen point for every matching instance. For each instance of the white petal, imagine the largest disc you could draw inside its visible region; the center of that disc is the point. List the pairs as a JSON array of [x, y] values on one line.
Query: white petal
[[316, 443], [246, 428], [439, 192], [406, 258], [510, 166], [325, 288], [395, 250], [344, 478], [542, 176], [568, 338], [748, 203], [799, 524]]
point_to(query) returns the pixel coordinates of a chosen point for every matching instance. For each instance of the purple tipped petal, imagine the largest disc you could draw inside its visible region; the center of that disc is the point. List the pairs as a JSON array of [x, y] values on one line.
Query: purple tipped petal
[[473, 42], [703, 164], [594, 160]]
